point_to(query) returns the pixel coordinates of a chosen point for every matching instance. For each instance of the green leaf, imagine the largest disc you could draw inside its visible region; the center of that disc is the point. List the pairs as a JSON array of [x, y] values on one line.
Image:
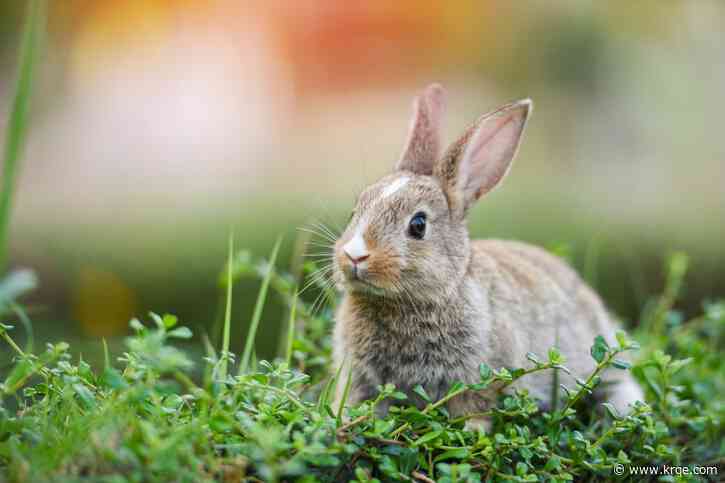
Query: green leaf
[[555, 356], [221, 423], [181, 333], [22, 370], [599, 349], [457, 454], [675, 366], [654, 385], [455, 387], [421, 392], [427, 437], [553, 464], [484, 370], [157, 320], [407, 459], [623, 458], [85, 395], [517, 373], [479, 386], [612, 410], [169, 320], [661, 359], [622, 339], [504, 374], [112, 378], [136, 325], [621, 364], [562, 368]]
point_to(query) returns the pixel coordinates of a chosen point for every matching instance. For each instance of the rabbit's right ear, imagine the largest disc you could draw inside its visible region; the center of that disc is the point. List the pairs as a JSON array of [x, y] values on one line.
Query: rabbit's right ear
[[480, 159], [423, 147]]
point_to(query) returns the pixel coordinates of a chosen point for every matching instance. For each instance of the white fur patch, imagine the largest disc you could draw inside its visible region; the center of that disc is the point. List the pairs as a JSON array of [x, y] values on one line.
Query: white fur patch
[[356, 247], [394, 186]]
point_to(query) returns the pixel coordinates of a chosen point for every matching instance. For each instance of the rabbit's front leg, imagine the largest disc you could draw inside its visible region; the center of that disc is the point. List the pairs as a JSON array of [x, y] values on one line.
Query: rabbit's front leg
[[474, 407], [478, 423]]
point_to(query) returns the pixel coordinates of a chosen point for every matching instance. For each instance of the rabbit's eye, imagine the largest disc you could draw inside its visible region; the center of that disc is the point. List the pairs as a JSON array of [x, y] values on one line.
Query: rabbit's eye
[[416, 228]]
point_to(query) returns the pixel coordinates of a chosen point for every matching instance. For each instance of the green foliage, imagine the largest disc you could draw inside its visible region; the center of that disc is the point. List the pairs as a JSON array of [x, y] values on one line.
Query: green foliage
[[17, 125], [145, 419]]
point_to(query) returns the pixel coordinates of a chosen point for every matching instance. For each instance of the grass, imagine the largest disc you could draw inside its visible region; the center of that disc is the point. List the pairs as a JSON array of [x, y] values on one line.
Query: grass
[[227, 312], [147, 417], [257, 316], [18, 121]]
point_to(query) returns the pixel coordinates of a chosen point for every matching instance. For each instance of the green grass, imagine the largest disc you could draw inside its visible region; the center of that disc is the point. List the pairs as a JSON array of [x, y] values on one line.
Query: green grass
[[17, 125], [145, 417]]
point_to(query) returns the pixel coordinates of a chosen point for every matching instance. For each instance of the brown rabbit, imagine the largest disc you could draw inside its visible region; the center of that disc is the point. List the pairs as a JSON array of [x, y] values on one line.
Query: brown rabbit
[[423, 304]]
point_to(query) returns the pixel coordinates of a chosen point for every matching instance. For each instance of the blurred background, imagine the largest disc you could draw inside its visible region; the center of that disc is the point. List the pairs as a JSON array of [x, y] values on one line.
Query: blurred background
[[158, 125]]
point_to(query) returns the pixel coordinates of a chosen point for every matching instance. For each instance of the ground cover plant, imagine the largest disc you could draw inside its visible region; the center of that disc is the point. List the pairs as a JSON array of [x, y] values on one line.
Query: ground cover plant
[[142, 418], [157, 413]]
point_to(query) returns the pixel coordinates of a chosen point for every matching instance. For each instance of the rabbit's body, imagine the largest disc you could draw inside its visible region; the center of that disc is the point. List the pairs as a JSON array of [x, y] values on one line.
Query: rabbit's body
[[424, 305], [438, 343]]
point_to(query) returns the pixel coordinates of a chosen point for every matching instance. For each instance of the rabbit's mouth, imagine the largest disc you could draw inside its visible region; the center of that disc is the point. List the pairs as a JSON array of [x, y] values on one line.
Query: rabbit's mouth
[[357, 280], [359, 285]]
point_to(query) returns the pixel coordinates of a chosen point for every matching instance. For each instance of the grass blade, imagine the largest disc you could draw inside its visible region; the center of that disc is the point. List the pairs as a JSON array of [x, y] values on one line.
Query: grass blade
[[332, 387], [258, 306], [106, 357], [27, 325], [212, 356], [345, 393], [291, 330], [324, 398], [227, 311], [18, 120], [296, 269]]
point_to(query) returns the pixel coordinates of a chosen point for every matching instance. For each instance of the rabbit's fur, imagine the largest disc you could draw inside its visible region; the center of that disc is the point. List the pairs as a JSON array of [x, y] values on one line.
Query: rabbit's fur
[[429, 311]]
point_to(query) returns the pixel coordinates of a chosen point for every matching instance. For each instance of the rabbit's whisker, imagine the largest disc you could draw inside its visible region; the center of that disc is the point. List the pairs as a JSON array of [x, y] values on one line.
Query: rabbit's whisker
[[322, 296], [327, 255], [321, 245], [326, 230], [316, 277], [317, 233]]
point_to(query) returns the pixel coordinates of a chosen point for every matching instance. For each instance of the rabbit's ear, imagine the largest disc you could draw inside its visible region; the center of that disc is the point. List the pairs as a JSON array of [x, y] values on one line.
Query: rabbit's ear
[[423, 146], [479, 160]]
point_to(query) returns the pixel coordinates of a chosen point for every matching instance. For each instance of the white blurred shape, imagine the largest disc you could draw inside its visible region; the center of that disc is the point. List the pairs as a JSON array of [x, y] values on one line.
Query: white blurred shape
[[162, 125]]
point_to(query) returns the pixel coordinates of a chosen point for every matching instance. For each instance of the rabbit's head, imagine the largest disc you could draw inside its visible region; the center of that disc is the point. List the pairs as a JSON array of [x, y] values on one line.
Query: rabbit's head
[[407, 236]]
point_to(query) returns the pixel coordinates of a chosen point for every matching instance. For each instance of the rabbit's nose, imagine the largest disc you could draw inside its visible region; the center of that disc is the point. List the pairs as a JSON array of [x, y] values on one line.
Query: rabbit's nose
[[356, 260], [356, 250]]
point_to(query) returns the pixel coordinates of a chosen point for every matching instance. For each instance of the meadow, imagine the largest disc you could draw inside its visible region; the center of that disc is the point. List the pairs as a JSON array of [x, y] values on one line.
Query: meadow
[[142, 418]]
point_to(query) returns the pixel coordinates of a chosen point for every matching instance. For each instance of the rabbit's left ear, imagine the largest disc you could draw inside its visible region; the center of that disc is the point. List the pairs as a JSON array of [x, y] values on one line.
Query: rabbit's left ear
[[423, 147], [479, 160]]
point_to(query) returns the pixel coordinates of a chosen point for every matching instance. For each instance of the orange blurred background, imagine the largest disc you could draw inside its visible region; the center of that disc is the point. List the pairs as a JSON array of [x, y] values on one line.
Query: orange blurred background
[[157, 125]]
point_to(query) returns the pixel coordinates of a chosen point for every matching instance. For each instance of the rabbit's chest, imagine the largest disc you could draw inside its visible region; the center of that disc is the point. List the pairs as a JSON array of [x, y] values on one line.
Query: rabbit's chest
[[420, 353]]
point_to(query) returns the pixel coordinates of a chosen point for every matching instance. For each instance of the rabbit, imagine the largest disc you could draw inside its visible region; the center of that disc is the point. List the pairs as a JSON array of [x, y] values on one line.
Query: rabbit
[[424, 305]]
